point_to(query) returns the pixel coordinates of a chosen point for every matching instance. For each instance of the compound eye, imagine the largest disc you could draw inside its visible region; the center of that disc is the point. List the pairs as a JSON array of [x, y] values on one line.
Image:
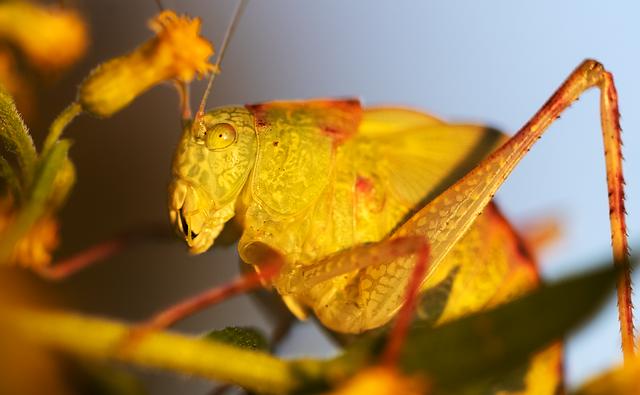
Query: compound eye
[[220, 136]]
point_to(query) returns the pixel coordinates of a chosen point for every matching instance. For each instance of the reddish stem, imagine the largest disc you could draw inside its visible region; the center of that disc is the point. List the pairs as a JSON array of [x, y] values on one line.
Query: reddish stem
[[398, 334], [241, 284], [101, 251]]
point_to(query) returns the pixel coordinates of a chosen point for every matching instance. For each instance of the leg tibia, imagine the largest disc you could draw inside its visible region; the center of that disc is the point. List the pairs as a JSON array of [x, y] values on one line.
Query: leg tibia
[[447, 217], [210, 297]]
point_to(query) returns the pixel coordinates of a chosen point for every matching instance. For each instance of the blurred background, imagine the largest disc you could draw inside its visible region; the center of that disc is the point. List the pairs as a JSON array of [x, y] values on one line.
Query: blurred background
[[493, 63]]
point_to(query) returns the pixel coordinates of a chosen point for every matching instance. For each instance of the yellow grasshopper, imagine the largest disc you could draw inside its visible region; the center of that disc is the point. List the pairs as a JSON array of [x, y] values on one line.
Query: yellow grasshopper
[[348, 196], [351, 200]]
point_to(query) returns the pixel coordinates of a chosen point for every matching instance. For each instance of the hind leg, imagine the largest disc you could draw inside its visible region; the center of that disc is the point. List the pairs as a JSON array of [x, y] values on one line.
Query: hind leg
[[445, 219]]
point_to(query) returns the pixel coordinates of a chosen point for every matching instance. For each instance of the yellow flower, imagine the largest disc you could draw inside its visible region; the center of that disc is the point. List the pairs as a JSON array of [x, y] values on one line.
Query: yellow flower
[[34, 249], [51, 38], [382, 380], [180, 46], [177, 52], [14, 82]]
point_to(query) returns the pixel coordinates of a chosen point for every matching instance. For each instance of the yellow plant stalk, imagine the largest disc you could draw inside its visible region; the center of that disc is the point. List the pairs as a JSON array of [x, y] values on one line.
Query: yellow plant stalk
[[102, 339]]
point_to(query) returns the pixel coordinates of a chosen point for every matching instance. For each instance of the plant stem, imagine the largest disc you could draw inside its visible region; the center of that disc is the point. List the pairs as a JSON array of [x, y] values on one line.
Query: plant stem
[[66, 267], [103, 339], [60, 123]]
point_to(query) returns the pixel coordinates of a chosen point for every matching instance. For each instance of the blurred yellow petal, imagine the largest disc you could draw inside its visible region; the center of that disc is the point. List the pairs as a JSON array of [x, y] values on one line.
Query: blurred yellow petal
[[14, 82], [9, 77], [382, 380], [177, 52], [51, 38], [25, 368], [180, 46], [35, 248], [624, 379]]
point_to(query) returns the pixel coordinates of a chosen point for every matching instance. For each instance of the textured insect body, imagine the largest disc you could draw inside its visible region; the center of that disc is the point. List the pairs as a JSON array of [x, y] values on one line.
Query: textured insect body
[[352, 199], [321, 182]]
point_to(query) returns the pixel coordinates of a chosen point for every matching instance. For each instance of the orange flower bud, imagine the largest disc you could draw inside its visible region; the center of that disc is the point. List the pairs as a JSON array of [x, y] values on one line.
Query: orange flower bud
[[178, 52]]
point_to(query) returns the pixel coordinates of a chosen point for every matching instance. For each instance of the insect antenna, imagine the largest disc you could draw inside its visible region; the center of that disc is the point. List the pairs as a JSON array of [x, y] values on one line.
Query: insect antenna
[[225, 41], [160, 5]]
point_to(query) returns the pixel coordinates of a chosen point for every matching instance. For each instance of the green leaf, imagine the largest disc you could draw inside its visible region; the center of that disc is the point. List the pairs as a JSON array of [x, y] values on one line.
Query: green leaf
[[503, 383], [483, 343], [243, 337], [15, 138], [64, 180], [47, 171], [490, 343], [434, 300]]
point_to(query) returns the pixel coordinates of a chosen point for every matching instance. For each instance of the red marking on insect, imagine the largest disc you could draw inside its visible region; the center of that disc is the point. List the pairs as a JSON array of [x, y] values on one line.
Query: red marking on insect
[[364, 185], [337, 135], [260, 115]]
